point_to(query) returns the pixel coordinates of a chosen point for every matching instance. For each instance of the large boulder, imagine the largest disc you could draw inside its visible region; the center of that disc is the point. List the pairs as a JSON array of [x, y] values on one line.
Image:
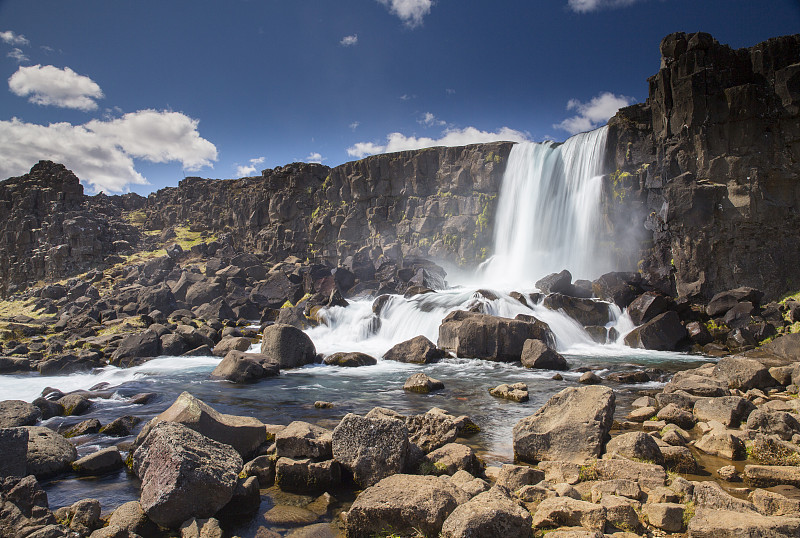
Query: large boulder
[[49, 453], [664, 332], [743, 373], [288, 346], [245, 434], [204, 291], [647, 306], [350, 360], [584, 311], [146, 344], [403, 504], [710, 523], [728, 410], [371, 448], [184, 474], [556, 283], [432, 429], [15, 413], [725, 300], [572, 426], [537, 354], [481, 336], [635, 446], [238, 343], [306, 476], [24, 509], [418, 350], [241, 367], [779, 423], [488, 514], [301, 440]]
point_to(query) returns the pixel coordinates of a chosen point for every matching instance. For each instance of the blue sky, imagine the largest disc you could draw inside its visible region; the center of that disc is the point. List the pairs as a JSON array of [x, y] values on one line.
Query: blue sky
[[134, 95]]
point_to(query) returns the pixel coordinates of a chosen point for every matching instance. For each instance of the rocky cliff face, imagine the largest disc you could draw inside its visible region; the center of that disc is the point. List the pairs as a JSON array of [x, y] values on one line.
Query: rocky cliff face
[[49, 229], [713, 161], [435, 202]]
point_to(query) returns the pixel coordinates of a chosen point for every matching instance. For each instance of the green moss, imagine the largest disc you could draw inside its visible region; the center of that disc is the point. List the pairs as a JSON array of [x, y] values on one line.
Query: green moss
[[287, 304], [137, 218], [766, 451], [688, 513], [618, 180], [588, 472]]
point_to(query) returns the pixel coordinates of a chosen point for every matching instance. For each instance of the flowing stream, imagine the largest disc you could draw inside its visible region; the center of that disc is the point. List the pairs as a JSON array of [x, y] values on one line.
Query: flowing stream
[[546, 221]]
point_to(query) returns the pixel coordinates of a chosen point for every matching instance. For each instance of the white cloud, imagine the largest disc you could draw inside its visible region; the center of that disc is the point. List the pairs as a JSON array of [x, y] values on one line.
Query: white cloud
[[13, 38], [250, 170], [450, 91], [451, 137], [429, 120], [355, 125], [592, 114], [411, 12], [245, 171], [405, 97], [349, 40], [314, 157], [101, 153], [585, 6], [18, 55], [49, 85]]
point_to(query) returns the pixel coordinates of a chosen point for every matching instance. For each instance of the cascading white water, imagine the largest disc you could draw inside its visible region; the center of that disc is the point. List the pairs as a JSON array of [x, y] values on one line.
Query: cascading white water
[[548, 213]]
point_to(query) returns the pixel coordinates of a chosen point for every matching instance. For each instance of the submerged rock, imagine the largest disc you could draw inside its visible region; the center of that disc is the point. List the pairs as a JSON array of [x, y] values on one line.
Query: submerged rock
[[422, 383]]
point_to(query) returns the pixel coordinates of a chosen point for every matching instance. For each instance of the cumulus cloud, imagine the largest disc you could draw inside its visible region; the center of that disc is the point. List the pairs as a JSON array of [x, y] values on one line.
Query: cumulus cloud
[[314, 157], [593, 113], [49, 85], [349, 40], [249, 170], [451, 137], [18, 55], [411, 12], [101, 153], [585, 6], [12, 38]]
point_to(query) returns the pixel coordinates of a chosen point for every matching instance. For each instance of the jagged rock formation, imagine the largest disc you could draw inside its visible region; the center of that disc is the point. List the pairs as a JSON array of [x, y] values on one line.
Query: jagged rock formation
[[712, 161], [49, 229], [434, 202]]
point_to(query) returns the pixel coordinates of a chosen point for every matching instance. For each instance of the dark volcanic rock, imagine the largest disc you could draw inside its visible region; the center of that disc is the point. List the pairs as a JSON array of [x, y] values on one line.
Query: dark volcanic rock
[[18, 413], [481, 336], [664, 332], [418, 350], [288, 346], [241, 367]]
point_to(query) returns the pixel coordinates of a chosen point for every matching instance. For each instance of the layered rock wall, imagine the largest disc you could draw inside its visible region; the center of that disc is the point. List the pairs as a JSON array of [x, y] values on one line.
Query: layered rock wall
[[49, 229], [436, 202], [713, 161]]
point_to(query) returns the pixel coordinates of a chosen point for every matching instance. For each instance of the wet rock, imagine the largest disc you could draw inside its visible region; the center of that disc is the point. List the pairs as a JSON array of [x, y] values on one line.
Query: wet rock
[[145, 344], [518, 392], [664, 332], [49, 453], [350, 360], [121, 426], [172, 344], [418, 350], [572, 426], [289, 346], [481, 336], [100, 462], [585, 311], [619, 288], [245, 434], [488, 514], [537, 354], [647, 306], [422, 383], [303, 440], [83, 428], [184, 474], [556, 283], [15, 413], [14, 448], [306, 476], [229, 343], [241, 367], [371, 447], [263, 468], [635, 446], [404, 504], [589, 378], [75, 404]]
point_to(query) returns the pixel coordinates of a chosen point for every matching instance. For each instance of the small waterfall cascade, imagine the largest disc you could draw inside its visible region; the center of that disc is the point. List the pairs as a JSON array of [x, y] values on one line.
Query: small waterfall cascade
[[548, 213]]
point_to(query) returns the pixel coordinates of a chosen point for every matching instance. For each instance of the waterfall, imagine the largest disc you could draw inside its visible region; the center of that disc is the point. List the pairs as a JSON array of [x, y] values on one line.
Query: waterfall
[[548, 213]]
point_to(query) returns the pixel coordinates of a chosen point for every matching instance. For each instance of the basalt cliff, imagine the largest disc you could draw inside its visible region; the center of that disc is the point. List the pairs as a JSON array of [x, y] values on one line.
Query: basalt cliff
[[702, 192]]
